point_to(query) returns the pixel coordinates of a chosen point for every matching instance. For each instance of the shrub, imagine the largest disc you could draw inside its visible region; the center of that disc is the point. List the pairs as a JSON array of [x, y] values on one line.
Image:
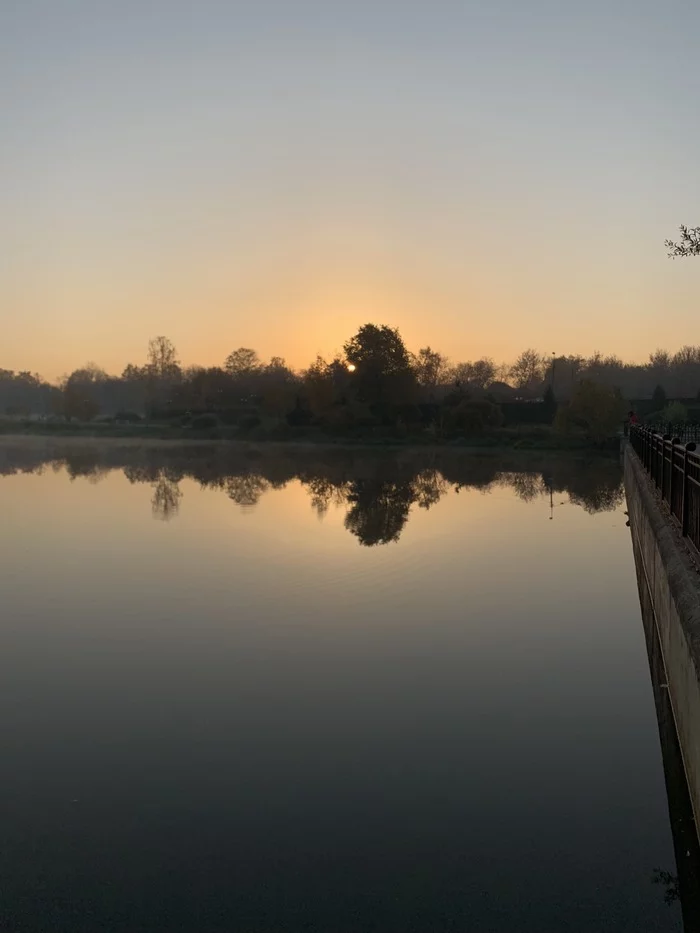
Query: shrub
[[675, 413], [595, 409], [129, 417], [205, 422], [299, 417], [473, 415], [234, 416], [353, 415], [248, 423], [409, 414]]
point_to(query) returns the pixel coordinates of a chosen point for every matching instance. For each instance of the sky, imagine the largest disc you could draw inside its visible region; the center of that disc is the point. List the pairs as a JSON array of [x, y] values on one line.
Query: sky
[[485, 176]]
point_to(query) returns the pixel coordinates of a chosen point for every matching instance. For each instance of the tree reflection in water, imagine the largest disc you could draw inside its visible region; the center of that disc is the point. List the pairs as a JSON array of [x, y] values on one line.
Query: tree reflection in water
[[378, 510], [165, 501], [246, 490], [377, 489], [324, 493]]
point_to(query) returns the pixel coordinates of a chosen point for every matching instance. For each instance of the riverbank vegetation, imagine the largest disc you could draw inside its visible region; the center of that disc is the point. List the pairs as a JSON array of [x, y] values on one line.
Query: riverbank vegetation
[[375, 392]]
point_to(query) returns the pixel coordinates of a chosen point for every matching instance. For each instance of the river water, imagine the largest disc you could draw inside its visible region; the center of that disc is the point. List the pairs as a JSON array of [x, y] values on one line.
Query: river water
[[304, 690]]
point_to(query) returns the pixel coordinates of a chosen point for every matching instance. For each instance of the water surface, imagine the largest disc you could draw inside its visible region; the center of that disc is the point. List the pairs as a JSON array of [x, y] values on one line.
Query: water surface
[[280, 690]]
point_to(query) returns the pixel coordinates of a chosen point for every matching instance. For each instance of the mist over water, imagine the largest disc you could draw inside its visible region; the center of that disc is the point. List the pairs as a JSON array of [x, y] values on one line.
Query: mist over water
[[378, 489]]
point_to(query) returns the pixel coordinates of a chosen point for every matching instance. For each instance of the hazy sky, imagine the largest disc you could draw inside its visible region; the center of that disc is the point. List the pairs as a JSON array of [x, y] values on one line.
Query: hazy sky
[[274, 173]]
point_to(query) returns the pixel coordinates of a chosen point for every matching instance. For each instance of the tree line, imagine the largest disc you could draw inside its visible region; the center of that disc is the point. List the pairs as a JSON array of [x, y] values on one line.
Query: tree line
[[376, 380]]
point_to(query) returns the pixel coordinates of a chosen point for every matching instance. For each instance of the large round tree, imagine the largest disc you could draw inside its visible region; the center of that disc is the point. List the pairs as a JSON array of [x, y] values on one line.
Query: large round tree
[[382, 370]]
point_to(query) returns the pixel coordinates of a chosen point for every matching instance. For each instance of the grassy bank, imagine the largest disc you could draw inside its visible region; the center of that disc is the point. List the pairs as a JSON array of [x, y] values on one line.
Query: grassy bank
[[539, 437]]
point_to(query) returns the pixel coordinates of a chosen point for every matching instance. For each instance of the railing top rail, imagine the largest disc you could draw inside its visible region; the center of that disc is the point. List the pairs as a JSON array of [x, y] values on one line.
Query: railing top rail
[[683, 444], [672, 462], [689, 429], [679, 436]]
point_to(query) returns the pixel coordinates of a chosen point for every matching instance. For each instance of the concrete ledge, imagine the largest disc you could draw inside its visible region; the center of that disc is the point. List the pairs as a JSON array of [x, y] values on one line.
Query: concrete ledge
[[665, 568]]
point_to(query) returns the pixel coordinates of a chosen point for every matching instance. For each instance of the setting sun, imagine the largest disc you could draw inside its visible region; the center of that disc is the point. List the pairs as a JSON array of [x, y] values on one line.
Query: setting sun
[[351, 367]]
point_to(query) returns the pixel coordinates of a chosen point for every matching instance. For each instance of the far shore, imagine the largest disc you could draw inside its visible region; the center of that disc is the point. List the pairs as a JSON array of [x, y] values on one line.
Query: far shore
[[487, 445]]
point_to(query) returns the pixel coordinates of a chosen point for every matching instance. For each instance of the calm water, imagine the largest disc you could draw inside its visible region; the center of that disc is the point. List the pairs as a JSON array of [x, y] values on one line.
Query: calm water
[[295, 691]]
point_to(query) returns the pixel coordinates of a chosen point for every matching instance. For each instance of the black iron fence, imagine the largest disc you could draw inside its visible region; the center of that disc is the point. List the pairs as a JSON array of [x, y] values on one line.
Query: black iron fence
[[684, 430], [674, 466]]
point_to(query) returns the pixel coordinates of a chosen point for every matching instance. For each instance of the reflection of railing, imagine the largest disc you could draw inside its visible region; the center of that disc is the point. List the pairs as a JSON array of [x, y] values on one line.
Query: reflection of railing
[[674, 466]]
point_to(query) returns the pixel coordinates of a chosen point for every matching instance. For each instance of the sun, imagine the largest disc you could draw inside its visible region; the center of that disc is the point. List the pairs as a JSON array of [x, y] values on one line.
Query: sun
[[351, 367]]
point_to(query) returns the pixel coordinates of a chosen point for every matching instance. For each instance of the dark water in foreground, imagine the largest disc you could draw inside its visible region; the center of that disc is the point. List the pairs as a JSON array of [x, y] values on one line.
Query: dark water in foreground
[[302, 692]]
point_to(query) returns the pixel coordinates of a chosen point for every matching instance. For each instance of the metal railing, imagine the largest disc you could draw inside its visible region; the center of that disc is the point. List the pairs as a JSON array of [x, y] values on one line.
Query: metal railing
[[684, 430], [674, 467]]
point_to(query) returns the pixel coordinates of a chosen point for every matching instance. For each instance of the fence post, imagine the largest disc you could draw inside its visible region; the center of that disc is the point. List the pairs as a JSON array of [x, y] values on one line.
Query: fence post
[[645, 457], [674, 442], [645, 450], [685, 504], [666, 437], [655, 451]]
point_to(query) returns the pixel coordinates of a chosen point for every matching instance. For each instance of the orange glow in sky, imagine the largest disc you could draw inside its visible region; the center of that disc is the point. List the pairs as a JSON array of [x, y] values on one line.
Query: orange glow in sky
[[485, 177]]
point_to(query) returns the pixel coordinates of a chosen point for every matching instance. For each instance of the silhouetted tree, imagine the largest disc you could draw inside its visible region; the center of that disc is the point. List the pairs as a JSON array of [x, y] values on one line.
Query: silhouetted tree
[[318, 387], [382, 367], [81, 393], [162, 358], [688, 245], [203, 389], [659, 398], [550, 402], [479, 374], [277, 387], [528, 370], [430, 368], [659, 367], [686, 367], [562, 373], [162, 373], [25, 393], [242, 363], [325, 385]]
